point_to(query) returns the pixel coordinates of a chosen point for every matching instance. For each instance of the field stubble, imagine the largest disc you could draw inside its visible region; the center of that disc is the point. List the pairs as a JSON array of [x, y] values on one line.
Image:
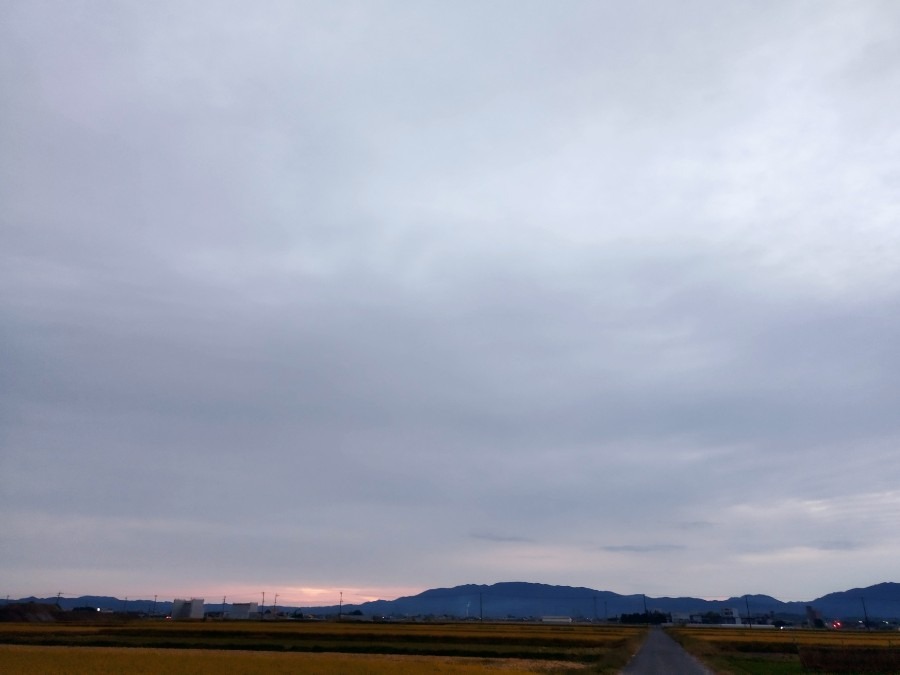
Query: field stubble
[[370, 649], [791, 652]]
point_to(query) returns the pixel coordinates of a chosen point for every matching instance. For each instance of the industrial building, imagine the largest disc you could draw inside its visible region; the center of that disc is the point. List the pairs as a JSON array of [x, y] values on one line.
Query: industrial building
[[243, 610], [188, 609]]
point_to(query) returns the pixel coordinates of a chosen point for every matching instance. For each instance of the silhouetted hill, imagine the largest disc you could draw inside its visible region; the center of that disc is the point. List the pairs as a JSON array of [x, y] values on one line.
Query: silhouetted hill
[[30, 612], [104, 602], [524, 599], [518, 599], [880, 600], [507, 599], [763, 604]]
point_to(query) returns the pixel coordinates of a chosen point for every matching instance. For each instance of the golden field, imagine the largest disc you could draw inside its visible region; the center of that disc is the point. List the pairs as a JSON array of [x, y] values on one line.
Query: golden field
[[742, 651], [27, 660], [313, 647], [743, 639]]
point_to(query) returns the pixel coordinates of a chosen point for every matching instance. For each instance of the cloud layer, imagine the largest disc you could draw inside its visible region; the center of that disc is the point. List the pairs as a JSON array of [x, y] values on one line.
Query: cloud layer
[[394, 295]]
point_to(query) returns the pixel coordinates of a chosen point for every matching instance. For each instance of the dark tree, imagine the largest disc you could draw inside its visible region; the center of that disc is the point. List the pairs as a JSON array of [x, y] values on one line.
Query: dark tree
[[653, 618]]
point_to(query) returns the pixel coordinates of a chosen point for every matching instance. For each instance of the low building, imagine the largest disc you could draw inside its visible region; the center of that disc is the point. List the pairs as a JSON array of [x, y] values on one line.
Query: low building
[[684, 618], [731, 616], [242, 611], [814, 617], [188, 609]]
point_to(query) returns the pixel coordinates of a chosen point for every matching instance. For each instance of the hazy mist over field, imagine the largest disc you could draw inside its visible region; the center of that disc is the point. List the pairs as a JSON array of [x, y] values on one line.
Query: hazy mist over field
[[372, 297]]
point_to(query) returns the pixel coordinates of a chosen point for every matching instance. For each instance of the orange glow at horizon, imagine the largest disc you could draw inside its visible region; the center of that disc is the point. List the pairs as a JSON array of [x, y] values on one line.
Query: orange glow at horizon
[[305, 596]]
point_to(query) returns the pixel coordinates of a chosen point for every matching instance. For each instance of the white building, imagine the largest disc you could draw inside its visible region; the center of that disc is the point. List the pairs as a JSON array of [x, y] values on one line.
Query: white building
[[243, 610], [188, 609], [732, 616]]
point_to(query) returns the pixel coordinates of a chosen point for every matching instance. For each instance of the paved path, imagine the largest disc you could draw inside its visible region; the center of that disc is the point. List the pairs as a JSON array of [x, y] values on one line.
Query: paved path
[[661, 655]]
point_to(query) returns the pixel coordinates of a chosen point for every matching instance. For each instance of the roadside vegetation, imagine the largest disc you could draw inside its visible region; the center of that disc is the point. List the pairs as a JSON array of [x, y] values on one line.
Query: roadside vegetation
[[791, 652]]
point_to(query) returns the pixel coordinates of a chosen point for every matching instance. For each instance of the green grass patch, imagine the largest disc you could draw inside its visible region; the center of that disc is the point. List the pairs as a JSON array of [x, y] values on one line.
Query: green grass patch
[[758, 665]]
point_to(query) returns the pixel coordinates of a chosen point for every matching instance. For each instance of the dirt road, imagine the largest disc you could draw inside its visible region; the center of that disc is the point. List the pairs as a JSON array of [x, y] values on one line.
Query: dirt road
[[661, 655]]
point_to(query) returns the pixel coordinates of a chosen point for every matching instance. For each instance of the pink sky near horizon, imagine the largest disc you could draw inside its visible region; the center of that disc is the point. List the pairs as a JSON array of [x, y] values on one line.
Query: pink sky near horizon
[[302, 596], [291, 596]]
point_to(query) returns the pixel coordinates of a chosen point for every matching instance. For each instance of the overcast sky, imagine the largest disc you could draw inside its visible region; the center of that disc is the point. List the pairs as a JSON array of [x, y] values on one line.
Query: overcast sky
[[375, 297]]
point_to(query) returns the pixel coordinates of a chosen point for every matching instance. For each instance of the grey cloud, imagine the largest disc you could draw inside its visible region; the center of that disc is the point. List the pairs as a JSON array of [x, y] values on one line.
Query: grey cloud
[[840, 545], [695, 525], [642, 548], [500, 538], [378, 275]]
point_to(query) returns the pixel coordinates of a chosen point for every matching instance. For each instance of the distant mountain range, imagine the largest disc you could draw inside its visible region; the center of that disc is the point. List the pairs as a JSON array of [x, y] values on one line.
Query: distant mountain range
[[524, 599]]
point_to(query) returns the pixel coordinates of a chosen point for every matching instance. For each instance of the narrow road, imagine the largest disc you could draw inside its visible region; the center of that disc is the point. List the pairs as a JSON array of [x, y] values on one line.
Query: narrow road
[[661, 655]]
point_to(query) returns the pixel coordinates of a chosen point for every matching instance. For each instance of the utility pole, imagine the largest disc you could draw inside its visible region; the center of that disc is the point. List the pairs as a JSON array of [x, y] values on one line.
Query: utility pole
[[223, 606], [749, 620], [262, 609], [275, 605], [341, 607], [865, 613], [57, 598], [154, 605]]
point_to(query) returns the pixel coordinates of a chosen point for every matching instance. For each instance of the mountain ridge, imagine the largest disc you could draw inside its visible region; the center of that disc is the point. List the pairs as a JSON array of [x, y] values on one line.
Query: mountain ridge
[[519, 599], [524, 599]]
